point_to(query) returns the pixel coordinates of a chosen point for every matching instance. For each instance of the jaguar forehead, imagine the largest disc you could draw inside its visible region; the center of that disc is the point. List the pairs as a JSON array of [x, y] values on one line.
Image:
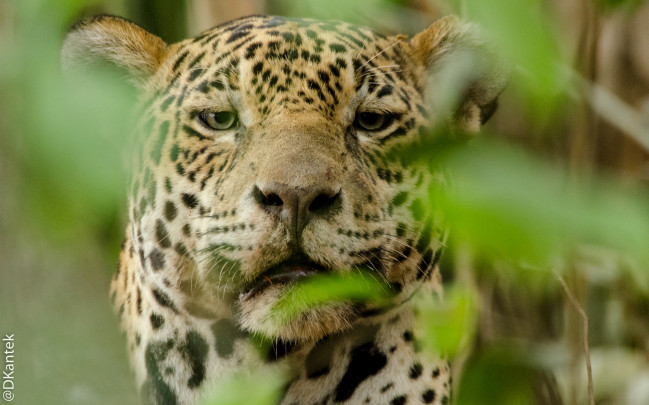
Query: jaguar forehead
[[274, 54]]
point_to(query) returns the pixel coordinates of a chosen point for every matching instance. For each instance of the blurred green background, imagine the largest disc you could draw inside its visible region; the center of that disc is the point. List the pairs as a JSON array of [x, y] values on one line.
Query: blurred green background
[[549, 204]]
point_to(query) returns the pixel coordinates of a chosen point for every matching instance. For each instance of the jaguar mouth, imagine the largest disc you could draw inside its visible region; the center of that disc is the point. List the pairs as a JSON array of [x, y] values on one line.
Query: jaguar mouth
[[286, 272]]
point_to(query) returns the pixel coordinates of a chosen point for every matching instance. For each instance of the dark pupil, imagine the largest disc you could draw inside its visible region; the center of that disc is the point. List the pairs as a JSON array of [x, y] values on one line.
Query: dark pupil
[[370, 119], [222, 117]]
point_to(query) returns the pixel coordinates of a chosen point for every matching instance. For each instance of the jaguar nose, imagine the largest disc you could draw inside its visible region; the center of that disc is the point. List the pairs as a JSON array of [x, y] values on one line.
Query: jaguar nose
[[297, 206]]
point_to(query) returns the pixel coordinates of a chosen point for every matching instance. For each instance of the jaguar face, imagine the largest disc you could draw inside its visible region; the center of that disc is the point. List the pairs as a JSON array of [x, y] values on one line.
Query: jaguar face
[[264, 161]]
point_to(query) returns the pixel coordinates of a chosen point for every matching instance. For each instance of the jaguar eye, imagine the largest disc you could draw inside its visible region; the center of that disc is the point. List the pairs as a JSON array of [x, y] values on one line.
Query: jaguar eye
[[370, 121], [219, 120]]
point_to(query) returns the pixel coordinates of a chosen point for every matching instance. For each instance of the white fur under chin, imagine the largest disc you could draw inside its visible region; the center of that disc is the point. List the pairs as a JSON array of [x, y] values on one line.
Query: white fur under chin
[[257, 316]]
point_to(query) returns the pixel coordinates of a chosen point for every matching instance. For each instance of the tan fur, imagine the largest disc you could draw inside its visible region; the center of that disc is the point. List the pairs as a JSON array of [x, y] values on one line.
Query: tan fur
[[107, 39]]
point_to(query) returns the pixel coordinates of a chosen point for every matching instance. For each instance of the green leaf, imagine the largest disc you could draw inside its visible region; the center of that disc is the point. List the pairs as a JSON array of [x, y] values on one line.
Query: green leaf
[[323, 289], [498, 376], [258, 388], [448, 326], [511, 205], [522, 33], [66, 140]]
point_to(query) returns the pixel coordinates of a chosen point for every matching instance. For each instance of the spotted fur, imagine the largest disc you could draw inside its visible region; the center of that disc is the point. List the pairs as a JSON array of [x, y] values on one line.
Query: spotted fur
[[302, 179]]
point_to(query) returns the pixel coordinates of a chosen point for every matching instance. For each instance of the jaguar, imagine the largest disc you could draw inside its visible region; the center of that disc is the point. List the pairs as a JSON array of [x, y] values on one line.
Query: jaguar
[[263, 160]]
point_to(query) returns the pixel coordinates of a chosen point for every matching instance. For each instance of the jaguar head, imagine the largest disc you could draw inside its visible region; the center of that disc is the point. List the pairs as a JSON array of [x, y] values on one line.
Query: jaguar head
[[264, 159]]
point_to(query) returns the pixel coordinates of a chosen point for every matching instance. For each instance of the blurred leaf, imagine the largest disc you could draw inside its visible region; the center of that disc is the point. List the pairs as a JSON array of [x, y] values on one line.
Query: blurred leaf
[[449, 326], [67, 138], [510, 203], [325, 289], [258, 388], [498, 376], [522, 33]]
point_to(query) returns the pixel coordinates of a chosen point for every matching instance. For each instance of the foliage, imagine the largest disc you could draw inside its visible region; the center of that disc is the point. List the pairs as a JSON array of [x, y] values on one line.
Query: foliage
[[449, 326], [257, 388], [67, 141], [508, 203], [326, 289]]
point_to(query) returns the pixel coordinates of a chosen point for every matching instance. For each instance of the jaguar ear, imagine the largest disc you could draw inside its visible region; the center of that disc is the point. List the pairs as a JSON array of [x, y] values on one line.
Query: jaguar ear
[[114, 41], [454, 53]]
